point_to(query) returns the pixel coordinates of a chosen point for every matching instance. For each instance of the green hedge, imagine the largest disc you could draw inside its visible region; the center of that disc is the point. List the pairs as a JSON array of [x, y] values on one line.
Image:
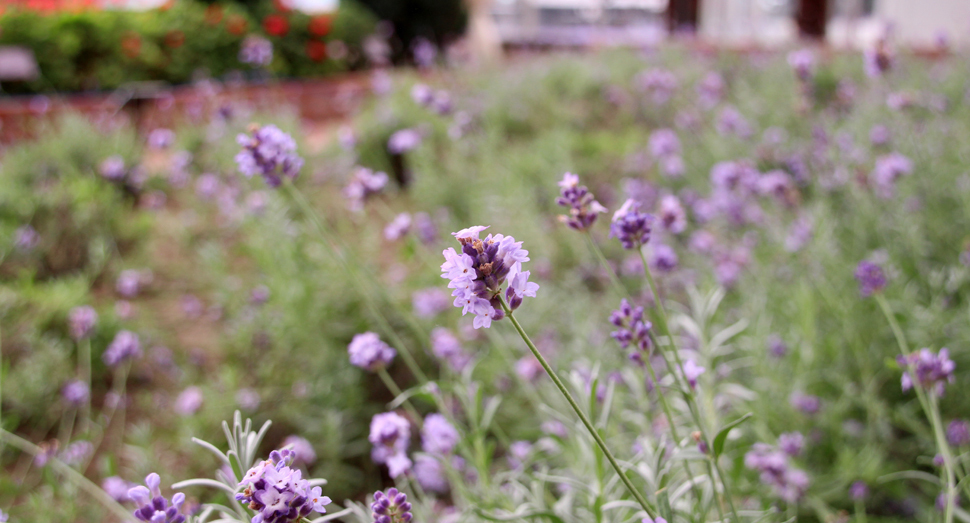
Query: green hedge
[[104, 49]]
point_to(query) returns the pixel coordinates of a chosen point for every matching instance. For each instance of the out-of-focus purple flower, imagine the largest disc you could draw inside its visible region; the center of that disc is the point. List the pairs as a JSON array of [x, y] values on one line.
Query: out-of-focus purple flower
[[664, 142], [958, 433], [390, 435], [438, 436], [259, 295], [270, 153], [161, 138], [878, 59], [130, 281], [398, 227], [787, 482], [191, 305], [479, 272], [207, 186], [802, 63], [632, 328], [631, 226], [153, 199], [248, 399], [404, 140], [125, 346], [710, 90], [858, 491], [77, 453], [663, 258], [941, 501], [441, 103], [871, 278], [154, 508], [302, 449], [518, 453], [692, 371], [777, 347], [25, 238], [430, 473], [347, 138], [178, 173], [381, 82], [363, 184], [730, 121], [799, 233], [113, 168], [528, 368], [76, 392], [932, 371], [189, 401], [641, 191], [888, 169], [555, 428], [806, 402], [392, 507], [116, 488], [777, 184], [672, 216], [659, 84], [446, 346], [429, 302], [256, 203], [425, 53], [368, 352], [702, 242], [278, 493], [422, 94], [81, 321], [791, 443], [256, 51]]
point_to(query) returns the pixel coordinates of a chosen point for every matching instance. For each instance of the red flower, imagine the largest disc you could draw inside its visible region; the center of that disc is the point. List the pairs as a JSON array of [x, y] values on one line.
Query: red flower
[[320, 25], [276, 25], [213, 14], [237, 25], [131, 44], [282, 6], [316, 51], [175, 39]]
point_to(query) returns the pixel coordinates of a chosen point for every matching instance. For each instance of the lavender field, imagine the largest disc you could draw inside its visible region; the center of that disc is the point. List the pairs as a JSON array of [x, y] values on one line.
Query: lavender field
[[664, 285]]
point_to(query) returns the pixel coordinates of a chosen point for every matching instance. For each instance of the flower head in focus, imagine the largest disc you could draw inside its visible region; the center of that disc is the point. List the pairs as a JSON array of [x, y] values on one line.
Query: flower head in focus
[[392, 507], [278, 493], [583, 207], [152, 506]]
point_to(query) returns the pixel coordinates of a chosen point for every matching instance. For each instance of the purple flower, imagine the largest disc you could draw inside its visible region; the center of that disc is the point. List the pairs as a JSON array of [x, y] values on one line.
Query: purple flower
[[663, 258], [248, 399], [363, 184], [777, 347], [870, 277], [390, 435], [392, 507], [422, 94], [3, 517], [256, 51], [126, 346], [710, 90], [403, 141], [879, 59], [441, 103], [26, 238], [259, 295], [631, 226], [447, 347], [77, 453], [802, 63], [932, 371], [799, 233], [663, 143], [189, 401], [731, 121], [368, 352], [583, 208], [278, 493], [424, 52], [430, 473], [116, 488], [941, 501], [129, 283], [113, 168], [692, 371], [81, 321], [425, 228], [659, 84], [178, 174], [672, 216], [270, 153], [76, 392], [518, 452], [161, 138], [806, 402], [478, 273], [787, 482], [398, 228], [633, 329], [958, 433], [888, 169], [430, 302], [303, 449], [207, 186], [858, 491], [438, 436], [154, 508], [791, 443], [879, 135]]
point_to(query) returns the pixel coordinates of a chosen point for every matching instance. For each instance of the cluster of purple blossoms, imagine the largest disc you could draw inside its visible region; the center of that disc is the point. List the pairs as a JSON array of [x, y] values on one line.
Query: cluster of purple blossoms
[[888, 169], [632, 328], [398, 227], [113, 168], [665, 148], [671, 215], [958, 433], [404, 140], [189, 401], [126, 346], [692, 371], [791, 443], [730, 121], [582, 205], [631, 226], [81, 321], [438, 435], [805, 403], [363, 184], [130, 282], [270, 153], [256, 51], [438, 101], [392, 507], [932, 371], [390, 434], [879, 135], [438, 441], [76, 392], [278, 493], [430, 302], [302, 449], [802, 63], [710, 90], [480, 270], [161, 138], [787, 482], [368, 352], [447, 347], [26, 238], [152, 506], [663, 258], [871, 278], [660, 84], [858, 491]]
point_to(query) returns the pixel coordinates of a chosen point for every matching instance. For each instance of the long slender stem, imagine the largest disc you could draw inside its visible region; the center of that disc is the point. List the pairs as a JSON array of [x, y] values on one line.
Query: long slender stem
[[81, 481], [84, 363], [396, 391], [579, 412], [614, 279]]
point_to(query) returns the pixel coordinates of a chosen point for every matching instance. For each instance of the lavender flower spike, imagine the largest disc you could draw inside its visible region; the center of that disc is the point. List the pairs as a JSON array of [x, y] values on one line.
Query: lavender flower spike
[[480, 271], [125, 346], [390, 434], [278, 493], [631, 226], [81, 321], [270, 153], [870, 277], [932, 371], [154, 508], [368, 352], [583, 208], [392, 507]]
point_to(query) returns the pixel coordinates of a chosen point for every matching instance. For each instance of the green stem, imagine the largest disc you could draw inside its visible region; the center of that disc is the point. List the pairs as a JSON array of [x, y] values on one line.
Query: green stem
[[81, 481], [84, 363], [614, 279], [396, 391], [579, 412], [860, 511]]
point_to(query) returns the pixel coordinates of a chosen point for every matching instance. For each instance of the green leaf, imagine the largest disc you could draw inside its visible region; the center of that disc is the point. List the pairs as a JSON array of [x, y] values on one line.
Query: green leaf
[[722, 434]]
